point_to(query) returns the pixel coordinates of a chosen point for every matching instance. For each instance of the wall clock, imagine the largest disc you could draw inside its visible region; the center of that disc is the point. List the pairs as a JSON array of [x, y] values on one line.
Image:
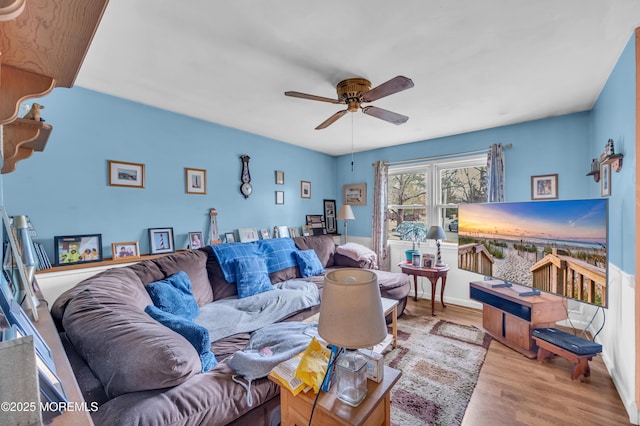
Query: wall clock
[[245, 177]]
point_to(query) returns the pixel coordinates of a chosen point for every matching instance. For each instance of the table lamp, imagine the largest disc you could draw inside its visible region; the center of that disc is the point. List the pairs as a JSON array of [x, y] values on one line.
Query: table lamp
[[345, 213], [351, 317], [437, 233]]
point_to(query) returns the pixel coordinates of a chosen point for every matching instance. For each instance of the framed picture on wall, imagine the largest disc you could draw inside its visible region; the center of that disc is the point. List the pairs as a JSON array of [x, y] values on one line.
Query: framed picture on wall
[[196, 181], [355, 194], [330, 216], [279, 177], [544, 187], [161, 240], [122, 173], [605, 179], [305, 189]]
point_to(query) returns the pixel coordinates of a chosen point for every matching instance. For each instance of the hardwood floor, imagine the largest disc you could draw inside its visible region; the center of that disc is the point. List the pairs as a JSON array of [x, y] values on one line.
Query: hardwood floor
[[514, 390]]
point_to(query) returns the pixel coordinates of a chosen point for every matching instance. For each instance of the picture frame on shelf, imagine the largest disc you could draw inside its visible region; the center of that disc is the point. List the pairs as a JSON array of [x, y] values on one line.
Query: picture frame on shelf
[[305, 189], [161, 240], [306, 230], [265, 234], [74, 249], [283, 231], [279, 197], [293, 232], [229, 237], [605, 179], [279, 177], [196, 181], [544, 187], [330, 216], [129, 250], [247, 235], [195, 240], [122, 173], [355, 194]]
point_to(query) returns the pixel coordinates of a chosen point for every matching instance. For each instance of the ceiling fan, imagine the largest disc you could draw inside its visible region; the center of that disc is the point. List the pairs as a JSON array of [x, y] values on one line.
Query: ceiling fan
[[354, 91]]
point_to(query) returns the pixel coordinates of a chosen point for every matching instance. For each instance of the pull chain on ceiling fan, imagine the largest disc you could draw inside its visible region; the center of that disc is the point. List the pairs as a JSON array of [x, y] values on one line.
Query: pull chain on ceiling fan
[[355, 91]]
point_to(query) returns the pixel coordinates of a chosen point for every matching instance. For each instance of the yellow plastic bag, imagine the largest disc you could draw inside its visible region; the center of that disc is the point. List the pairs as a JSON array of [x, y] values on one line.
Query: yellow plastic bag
[[313, 365]]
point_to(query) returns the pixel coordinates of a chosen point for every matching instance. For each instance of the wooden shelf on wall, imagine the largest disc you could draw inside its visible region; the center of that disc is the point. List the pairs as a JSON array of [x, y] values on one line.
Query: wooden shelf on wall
[[105, 262], [41, 48]]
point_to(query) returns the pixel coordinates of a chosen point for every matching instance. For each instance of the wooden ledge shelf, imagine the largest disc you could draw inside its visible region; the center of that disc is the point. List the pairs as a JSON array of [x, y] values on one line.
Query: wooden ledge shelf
[[106, 262], [21, 138]]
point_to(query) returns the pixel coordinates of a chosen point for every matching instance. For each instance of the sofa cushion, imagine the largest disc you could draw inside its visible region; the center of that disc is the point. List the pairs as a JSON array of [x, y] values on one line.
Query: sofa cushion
[[195, 334], [220, 287], [252, 276], [194, 264], [308, 263], [173, 295], [124, 347], [323, 245]]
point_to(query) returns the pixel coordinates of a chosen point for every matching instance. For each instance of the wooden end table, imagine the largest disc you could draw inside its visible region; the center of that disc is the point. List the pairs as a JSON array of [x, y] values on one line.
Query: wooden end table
[[433, 274], [375, 409]]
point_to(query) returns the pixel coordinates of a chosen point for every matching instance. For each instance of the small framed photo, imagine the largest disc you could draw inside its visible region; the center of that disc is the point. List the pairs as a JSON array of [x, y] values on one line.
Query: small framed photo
[[330, 216], [283, 232], [195, 240], [306, 230], [196, 181], [265, 234], [605, 179], [73, 249], [279, 177], [122, 173], [161, 240], [355, 194], [123, 251], [230, 237], [293, 232], [544, 187], [247, 234], [305, 189], [279, 197]]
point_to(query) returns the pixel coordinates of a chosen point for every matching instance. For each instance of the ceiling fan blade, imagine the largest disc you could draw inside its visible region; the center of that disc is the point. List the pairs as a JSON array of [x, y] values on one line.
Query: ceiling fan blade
[[383, 114], [312, 97], [329, 121], [395, 85]]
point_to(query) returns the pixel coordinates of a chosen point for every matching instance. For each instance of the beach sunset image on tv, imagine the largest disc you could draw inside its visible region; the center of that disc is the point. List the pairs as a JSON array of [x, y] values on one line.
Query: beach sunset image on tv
[[553, 246]]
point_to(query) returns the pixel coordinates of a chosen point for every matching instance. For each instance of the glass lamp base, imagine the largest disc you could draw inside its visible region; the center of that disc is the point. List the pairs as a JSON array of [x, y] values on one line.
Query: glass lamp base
[[351, 378]]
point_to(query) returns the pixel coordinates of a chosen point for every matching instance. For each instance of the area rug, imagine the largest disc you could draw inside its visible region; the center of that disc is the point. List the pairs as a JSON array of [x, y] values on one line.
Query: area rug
[[440, 363]]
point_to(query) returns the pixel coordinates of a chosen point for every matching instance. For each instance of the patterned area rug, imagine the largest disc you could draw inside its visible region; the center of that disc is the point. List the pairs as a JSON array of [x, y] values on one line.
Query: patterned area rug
[[440, 363]]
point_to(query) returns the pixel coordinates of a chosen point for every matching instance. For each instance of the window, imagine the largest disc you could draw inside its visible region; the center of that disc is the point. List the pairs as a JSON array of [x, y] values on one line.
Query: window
[[431, 191]]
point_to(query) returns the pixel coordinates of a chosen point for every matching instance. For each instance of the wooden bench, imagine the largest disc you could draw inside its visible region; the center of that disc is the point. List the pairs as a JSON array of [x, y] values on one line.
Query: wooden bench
[[580, 362]]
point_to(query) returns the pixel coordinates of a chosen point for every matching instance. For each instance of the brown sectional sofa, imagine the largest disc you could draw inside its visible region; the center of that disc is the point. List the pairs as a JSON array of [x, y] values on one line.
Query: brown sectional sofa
[[141, 372]]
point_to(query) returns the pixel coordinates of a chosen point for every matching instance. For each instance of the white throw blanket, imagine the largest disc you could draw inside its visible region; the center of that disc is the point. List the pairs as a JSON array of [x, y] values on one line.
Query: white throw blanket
[[226, 317], [358, 252]]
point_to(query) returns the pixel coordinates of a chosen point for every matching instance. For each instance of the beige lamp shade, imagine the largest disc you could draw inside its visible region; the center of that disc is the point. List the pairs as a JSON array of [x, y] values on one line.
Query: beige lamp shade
[[345, 213], [351, 314]]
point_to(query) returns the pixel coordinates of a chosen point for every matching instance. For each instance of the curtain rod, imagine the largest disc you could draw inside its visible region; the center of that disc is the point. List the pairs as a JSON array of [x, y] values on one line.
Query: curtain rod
[[479, 151]]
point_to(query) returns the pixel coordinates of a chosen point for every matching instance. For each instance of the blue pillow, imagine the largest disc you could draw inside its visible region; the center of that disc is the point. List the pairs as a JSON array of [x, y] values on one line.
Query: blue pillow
[[252, 276], [278, 253], [173, 295], [308, 263], [228, 253], [195, 334]]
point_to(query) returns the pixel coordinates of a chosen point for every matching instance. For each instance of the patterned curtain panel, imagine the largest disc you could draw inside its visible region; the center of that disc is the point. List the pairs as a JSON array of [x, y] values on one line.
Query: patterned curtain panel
[[379, 222], [495, 174]]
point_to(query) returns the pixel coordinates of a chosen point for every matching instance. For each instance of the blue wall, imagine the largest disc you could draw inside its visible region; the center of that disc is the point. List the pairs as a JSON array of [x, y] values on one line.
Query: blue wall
[[614, 117], [64, 189], [554, 145]]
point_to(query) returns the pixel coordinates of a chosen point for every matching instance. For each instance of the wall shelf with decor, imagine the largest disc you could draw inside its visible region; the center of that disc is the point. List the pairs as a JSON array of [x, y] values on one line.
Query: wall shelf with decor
[[608, 157], [62, 28]]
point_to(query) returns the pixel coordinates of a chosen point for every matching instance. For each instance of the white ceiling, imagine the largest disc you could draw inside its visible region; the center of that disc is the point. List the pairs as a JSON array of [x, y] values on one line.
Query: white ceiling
[[475, 64]]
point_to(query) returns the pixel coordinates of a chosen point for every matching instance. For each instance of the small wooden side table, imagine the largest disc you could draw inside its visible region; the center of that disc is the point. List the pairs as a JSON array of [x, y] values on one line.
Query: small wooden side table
[[375, 409], [433, 274]]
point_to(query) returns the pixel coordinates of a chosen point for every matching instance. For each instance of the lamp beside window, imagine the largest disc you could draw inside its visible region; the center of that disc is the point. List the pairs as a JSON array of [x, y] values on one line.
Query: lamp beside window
[[437, 233], [345, 213]]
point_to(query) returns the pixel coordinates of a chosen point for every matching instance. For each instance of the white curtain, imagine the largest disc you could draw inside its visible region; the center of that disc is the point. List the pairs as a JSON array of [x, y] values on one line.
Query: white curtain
[[379, 231], [495, 173]]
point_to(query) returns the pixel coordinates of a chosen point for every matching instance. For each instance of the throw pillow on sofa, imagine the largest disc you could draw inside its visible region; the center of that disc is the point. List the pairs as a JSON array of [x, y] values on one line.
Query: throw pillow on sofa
[[252, 276], [195, 334], [173, 295], [308, 263]]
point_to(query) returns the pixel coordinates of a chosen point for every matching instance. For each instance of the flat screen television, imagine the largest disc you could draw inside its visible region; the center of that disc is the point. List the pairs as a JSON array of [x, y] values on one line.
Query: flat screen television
[[555, 246]]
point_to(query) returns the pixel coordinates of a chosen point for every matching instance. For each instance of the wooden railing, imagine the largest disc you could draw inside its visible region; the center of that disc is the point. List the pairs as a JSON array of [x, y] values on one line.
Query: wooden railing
[[475, 257], [570, 277]]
